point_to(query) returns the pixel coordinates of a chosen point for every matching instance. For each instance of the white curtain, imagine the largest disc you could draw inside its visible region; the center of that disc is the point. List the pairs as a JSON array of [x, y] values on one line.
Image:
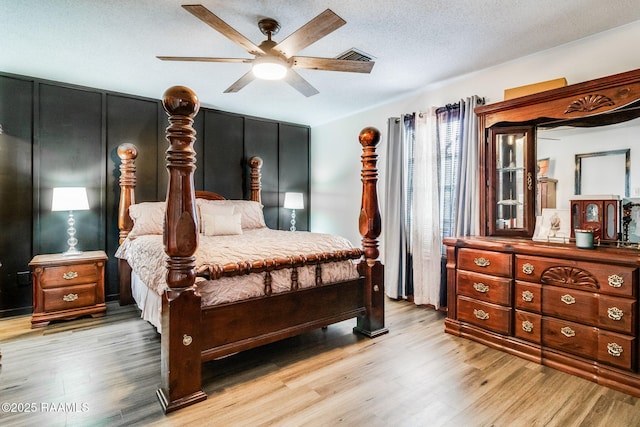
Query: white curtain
[[426, 235], [411, 221]]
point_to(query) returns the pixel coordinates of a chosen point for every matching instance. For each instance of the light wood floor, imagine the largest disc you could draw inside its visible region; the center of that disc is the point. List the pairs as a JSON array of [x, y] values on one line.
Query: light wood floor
[[108, 370]]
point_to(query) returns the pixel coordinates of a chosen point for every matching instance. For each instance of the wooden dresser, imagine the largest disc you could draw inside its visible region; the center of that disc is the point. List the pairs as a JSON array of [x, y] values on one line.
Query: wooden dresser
[[573, 309], [67, 287]]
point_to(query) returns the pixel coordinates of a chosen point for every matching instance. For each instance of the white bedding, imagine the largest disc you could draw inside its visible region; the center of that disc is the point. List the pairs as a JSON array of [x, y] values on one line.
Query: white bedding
[[145, 254]]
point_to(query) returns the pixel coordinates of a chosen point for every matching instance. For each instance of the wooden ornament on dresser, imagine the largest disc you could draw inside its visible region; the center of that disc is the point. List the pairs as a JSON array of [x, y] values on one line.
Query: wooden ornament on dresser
[[573, 309]]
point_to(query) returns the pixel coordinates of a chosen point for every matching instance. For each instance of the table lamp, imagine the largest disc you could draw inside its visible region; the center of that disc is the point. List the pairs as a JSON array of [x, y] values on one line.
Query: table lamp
[[293, 201], [70, 199]]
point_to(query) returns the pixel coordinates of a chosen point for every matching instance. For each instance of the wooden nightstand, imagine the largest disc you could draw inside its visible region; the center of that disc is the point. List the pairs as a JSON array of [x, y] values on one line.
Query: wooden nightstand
[[66, 287]]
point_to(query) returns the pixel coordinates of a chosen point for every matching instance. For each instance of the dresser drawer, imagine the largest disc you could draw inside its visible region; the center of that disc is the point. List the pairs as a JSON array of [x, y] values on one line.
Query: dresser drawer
[[569, 337], [528, 296], [69, 297], [616, 349], [486, 315], [483, 287], [617, 314], [528, 326], [570, 304], [67, 275], [604, 278], [486, 262]]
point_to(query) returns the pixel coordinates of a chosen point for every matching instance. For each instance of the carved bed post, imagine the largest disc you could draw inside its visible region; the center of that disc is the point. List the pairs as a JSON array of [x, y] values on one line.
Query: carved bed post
[[128, 154], [256, 185], [370, 224], [181, 344]]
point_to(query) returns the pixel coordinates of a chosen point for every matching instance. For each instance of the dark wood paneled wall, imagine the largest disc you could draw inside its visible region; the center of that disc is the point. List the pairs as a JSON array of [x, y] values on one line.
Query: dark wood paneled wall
[[57, 134]]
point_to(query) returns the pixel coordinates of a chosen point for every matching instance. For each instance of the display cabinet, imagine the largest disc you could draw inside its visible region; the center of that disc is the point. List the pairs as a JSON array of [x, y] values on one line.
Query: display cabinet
[[511, 183]]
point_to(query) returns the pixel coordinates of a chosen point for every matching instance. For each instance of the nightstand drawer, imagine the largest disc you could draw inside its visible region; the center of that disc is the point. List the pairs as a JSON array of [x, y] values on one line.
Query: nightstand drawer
[[68, 275], [69, 297]]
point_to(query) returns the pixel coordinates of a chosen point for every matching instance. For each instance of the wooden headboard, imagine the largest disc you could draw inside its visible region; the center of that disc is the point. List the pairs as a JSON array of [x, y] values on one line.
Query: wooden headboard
[[128, 153]]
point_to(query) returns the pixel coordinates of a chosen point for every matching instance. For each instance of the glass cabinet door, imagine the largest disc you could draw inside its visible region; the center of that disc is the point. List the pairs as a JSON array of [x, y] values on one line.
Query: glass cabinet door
[[511, 182]]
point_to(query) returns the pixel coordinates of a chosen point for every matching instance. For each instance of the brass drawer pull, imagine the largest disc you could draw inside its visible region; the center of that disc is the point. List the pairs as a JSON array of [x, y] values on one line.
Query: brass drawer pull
[[614, 313], [187, 340], [481, 287], [70, 275], [614, 349], [482, 262], [615, 281], [70, 297], [527, 326], [568, 299], [527, 268], [480, 314], [527, 296], [568, 332]]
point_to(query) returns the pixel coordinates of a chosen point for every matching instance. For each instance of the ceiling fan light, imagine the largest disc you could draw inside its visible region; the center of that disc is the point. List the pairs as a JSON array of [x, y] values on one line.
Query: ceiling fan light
[[269, 68]]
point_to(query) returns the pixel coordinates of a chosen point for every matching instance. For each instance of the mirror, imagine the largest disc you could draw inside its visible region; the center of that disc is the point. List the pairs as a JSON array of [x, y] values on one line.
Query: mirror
[[562, 144]]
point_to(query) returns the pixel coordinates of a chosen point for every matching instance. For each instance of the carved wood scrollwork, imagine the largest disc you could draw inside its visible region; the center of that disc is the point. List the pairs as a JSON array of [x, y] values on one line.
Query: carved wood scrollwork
[[564, 275], [589, 103]]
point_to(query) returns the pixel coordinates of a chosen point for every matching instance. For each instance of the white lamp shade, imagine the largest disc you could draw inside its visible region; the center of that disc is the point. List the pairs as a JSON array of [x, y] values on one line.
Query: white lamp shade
[[70, 199], [293, 201], [269, 68]]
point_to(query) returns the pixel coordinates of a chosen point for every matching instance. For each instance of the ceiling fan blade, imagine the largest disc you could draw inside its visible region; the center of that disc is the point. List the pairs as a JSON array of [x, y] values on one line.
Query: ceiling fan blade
[[331, 64], [205, 15], [300, 84], [310, 32], [203, 59], [241, 82]]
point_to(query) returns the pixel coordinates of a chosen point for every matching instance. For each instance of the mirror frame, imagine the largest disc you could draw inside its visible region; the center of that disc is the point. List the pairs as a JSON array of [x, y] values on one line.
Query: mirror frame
[[627, 167]]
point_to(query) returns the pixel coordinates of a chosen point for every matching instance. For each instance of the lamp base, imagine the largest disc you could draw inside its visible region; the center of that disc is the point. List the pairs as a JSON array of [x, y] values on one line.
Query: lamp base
[[71, 252]]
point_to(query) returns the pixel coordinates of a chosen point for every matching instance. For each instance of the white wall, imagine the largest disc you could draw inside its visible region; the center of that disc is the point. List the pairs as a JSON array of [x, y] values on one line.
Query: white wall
[[335, 151]]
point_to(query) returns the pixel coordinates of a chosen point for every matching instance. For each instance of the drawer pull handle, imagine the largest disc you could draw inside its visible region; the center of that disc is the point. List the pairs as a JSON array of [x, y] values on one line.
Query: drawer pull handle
[[481, 287], [614, 349], [187, 340], [615, 313], [70, 297], [482, 262], [527, 326], [527, 296], [568, 299], [527, 268], [480, 314], [615, 281], [568, 332], [70, 275]]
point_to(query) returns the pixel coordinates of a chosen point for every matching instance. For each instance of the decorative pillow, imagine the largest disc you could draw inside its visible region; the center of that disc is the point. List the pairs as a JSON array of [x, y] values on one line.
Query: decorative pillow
[[252, 216], [148, 218], [221, 225]]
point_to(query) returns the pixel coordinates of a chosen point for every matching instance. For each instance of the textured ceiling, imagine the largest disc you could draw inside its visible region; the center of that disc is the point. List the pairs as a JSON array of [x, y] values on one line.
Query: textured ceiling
[[112, 45]]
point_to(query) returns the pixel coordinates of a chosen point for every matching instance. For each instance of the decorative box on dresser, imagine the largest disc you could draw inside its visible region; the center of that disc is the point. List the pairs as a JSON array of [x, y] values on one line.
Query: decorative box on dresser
[[67, 287], [573, 309]]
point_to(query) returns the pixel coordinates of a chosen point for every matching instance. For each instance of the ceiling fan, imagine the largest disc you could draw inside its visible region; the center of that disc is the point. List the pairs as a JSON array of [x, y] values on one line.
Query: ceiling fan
[[276, 60]]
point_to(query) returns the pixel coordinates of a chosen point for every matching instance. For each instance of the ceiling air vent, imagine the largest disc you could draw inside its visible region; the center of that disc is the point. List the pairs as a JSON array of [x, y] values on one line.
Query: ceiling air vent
[[354, 54]]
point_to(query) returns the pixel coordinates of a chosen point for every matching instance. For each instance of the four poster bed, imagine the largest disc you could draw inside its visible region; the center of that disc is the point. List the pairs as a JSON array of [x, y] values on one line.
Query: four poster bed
[[218, 281]]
